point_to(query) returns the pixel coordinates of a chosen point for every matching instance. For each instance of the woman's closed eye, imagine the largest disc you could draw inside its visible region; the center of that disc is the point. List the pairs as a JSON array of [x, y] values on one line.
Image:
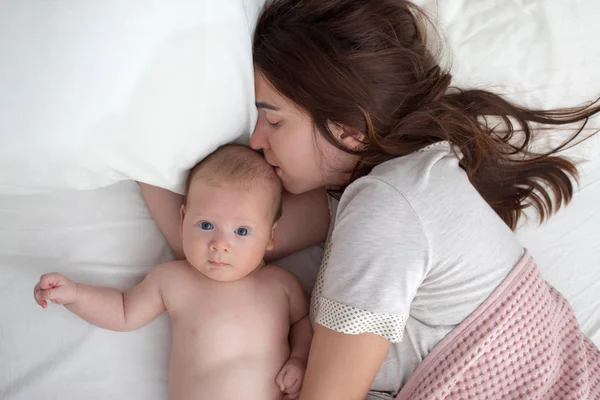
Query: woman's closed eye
[[273, 124], [273, 120], [205, 225], [268, 110], [242, 231]]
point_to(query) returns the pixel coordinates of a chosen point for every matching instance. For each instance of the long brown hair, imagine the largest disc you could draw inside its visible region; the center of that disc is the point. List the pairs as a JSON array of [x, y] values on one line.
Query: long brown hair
[[368, 65]]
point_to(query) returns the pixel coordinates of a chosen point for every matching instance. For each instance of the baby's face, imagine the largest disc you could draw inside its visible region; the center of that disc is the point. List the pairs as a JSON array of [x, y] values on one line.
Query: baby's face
[[226, 230]]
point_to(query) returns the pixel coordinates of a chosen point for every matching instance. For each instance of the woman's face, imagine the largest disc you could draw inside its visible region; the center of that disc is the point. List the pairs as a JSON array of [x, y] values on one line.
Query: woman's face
[[302, 157]]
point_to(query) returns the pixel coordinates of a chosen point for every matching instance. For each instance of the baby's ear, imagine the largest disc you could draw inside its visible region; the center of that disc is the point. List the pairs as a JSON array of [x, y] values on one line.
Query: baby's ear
[[271, 243]]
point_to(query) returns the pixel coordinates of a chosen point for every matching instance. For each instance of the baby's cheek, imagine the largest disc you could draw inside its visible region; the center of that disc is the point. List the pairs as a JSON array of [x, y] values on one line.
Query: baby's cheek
[[256, 252], [194, 251]]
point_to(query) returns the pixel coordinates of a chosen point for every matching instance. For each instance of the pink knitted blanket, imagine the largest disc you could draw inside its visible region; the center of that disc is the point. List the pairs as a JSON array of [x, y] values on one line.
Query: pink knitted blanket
[[523, 342]]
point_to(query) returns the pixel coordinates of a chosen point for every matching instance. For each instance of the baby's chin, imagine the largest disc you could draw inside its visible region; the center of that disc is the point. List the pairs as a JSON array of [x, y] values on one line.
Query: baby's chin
[[223, 273]]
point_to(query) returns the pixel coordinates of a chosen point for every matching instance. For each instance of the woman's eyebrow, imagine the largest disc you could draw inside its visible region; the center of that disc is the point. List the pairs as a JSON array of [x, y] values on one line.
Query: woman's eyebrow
[[262, 104]]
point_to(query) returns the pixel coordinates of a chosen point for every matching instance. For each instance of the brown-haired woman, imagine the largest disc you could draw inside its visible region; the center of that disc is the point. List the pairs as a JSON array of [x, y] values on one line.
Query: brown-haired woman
[[351, 99]]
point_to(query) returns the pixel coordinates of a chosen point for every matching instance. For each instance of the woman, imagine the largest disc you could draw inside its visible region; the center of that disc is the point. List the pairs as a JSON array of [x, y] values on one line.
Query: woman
[[351, 99]]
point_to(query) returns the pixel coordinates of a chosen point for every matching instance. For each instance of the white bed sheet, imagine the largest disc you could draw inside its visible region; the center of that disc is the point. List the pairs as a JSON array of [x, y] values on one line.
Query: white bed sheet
[[106, 236]]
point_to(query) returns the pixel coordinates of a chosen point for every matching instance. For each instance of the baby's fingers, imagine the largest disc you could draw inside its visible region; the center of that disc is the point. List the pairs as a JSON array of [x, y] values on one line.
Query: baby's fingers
[[44, 294], [52, 280], [53, 295], [36, 295], [59, 295], [280, 378], [294, 386], [291, 381], [288, 380]]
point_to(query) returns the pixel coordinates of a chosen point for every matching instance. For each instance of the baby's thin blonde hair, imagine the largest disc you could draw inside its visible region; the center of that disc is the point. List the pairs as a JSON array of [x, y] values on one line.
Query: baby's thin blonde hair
[[238, 165]]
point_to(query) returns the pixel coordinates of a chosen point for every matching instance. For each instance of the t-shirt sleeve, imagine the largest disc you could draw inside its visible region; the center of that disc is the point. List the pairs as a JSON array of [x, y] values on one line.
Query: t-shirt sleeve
[[376, 259]]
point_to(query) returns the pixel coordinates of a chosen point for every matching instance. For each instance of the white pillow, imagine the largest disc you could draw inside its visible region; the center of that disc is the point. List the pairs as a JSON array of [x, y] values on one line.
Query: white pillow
[[96, 92]]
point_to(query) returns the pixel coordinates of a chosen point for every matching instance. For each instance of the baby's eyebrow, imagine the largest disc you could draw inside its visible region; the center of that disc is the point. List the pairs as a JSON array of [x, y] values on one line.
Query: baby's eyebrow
[[268, 106], [246, 224]]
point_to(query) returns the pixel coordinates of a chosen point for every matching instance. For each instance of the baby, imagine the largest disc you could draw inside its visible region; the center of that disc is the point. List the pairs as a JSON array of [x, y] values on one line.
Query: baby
[[233, 317]]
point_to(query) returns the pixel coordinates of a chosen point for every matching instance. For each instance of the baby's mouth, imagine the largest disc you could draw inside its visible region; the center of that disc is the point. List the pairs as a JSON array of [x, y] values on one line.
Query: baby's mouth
[[217, 263]]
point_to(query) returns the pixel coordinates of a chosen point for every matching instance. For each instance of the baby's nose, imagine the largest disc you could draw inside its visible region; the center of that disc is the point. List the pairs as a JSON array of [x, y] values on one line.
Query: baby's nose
[[219, 244]]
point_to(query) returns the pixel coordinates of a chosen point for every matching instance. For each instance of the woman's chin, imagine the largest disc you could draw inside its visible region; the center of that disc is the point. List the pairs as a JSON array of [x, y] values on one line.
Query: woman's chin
[[290, 186]]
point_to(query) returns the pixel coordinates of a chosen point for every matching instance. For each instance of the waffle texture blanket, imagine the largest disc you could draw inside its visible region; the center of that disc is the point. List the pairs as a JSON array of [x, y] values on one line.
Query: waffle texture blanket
[[523, 342]]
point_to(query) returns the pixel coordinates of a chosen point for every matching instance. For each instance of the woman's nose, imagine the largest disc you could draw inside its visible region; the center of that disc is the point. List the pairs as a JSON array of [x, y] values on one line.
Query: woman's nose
[[258, 140]]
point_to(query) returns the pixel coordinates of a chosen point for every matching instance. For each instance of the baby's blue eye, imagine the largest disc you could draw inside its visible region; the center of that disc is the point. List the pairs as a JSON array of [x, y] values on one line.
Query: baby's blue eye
[[207, 226], [242, 231]]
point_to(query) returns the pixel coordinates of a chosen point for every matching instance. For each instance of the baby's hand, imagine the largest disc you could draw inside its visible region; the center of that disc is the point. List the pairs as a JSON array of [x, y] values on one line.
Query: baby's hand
[[290, 378], [56, 288]]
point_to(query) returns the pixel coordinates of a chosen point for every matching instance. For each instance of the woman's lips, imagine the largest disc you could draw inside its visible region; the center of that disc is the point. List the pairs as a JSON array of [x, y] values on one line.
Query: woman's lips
[[272, 164], [275, 167]]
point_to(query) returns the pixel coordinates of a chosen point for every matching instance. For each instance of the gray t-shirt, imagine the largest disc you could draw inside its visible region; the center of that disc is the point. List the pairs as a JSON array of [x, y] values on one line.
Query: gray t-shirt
[[413, 249]]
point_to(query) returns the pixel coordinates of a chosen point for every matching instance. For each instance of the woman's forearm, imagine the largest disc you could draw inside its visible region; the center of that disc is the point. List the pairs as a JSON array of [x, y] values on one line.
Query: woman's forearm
[[342, 367], [165, 206], [304, 223]]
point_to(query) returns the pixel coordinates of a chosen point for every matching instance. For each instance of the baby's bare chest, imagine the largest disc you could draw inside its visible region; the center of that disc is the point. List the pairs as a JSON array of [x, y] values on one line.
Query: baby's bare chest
[[233, 317]]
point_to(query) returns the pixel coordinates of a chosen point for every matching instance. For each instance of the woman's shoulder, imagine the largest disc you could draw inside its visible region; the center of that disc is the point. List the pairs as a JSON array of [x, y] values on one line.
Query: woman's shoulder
[[435, 165]]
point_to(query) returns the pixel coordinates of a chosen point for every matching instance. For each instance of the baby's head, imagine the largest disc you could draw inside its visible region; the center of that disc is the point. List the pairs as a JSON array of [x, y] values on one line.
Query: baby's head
[[232, 204]]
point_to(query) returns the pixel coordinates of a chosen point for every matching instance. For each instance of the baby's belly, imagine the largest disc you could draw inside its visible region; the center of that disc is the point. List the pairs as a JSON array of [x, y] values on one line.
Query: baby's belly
[[245, 378], [225, 360]]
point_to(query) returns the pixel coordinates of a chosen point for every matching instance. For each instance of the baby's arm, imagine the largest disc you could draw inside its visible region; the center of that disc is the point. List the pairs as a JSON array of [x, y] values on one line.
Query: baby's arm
[[105, 307], [291, 376], [301, 330]]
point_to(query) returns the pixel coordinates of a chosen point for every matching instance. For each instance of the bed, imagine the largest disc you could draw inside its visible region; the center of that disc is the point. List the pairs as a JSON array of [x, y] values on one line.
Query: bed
[[541, 53]]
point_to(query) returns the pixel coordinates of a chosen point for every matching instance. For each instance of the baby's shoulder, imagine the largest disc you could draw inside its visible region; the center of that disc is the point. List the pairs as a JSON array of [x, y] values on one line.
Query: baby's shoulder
[[273, 271], [276, 275], [178, 282], [170, 271]]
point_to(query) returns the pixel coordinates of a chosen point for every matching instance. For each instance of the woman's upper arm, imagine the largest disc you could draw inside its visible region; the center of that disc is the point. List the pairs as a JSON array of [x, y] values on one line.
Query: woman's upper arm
[[164, 206], [342, 366], [376, 259], [304, 223]]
